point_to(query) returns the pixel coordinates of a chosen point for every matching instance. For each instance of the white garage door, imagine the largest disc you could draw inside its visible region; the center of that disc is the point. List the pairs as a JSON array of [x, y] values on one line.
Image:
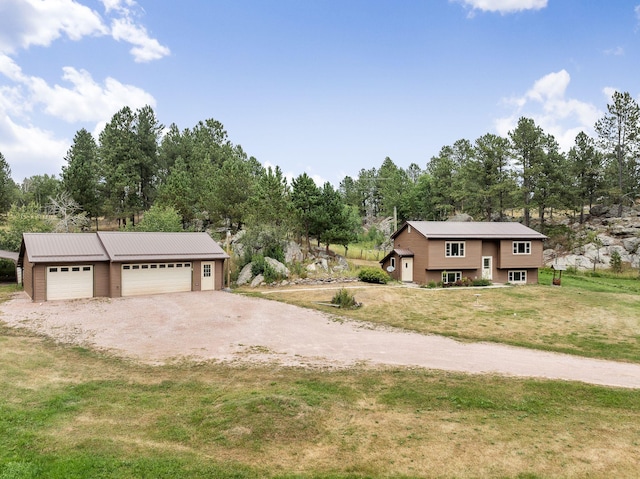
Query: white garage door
[[69, 282], [155, 278]]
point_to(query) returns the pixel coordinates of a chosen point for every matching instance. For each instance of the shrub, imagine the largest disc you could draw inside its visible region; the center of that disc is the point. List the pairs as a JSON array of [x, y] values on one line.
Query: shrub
[[616, 262], [431, 284], [481, 282], [344, 299], [373, 275], [260, 266]]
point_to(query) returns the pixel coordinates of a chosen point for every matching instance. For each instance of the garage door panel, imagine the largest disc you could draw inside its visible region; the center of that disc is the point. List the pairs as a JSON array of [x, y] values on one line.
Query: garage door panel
[[138, 279], [69, 282]]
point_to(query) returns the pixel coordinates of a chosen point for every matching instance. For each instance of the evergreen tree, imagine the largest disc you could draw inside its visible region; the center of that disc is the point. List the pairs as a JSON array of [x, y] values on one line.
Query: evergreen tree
[[81, 175]]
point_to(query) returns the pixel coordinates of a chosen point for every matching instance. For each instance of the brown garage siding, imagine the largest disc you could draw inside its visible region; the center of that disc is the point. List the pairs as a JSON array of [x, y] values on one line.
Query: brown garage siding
[[27, 278], [196, 275], [101, 280], [39, 276], [115, 270], [219, 272]]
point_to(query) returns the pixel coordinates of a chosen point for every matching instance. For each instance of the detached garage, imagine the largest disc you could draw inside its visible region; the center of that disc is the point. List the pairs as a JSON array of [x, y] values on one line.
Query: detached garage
[[114, 264]]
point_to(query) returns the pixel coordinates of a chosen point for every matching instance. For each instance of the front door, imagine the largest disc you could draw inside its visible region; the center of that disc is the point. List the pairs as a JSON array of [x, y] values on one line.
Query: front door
[[407, 269], [487, 267], [207, 276]]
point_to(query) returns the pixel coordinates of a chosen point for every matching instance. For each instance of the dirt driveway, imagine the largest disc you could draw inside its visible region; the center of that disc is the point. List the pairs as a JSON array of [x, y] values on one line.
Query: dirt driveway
[[230, 327]]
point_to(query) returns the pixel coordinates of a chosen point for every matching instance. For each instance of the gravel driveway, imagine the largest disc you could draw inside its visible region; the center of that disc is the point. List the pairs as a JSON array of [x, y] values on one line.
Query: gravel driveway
[[230, 327]]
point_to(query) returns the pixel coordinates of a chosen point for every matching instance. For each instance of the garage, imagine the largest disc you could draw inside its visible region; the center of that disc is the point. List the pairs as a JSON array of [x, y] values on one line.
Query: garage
[[118, 263], [154, 278], [69, 282]]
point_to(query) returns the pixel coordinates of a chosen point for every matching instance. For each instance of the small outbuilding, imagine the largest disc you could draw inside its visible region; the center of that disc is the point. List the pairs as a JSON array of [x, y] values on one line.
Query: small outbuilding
[[114, 264]]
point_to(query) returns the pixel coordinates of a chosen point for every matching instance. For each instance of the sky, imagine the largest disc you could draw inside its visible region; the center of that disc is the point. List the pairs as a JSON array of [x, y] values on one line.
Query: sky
[[326, 87]]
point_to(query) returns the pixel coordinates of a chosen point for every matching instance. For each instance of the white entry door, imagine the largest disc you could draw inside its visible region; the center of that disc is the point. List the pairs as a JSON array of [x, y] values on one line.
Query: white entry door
[[407, 269], [207, 280], [487, 267]]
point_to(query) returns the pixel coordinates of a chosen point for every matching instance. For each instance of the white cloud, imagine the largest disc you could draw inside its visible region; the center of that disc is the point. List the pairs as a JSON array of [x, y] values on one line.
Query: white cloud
[[546, 103], [145, 48], [505, 6], [28, 149], [616, 52], [24, 23]]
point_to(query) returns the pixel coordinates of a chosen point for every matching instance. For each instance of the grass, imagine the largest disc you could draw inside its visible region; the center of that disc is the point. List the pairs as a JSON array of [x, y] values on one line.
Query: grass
[[68, 412], [589, 316]]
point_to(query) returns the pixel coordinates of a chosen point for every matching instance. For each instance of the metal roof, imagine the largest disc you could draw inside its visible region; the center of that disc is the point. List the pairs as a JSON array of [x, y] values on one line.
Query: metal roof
[[118, 246], [63, 247], [472, 230], [138, 246]]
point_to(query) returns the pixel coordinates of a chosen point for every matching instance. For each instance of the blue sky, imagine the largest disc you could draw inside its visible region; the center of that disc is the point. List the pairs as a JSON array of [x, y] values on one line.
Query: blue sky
[[326, 87]]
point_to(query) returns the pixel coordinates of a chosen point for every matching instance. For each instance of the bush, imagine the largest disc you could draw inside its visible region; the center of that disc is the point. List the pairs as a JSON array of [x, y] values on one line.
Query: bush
[[373, 275], [260, 266], [344, 299], [616, 262]]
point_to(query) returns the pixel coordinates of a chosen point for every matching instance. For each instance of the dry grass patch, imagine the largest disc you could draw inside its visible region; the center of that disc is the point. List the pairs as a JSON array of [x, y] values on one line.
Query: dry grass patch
[[604, 325]]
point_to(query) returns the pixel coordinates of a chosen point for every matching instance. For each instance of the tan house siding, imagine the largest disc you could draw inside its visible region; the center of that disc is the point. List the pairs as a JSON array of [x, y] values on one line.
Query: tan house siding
[[472, 257], [412, 240], [508, 260], [101, 280]]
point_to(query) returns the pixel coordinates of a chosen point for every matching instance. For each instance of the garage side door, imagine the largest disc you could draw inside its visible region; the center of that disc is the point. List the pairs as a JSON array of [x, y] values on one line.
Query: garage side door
[[155, 278], [69, 282]]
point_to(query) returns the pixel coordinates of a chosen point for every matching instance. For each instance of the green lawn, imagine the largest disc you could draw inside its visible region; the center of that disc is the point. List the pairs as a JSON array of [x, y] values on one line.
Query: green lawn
[[68, 412]]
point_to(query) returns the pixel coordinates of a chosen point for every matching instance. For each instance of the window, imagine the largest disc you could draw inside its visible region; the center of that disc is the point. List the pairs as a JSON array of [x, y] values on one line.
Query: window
[[517, 276], [53, 270], [75, 268], [135, 266], [64, 270], [451, 276], [454, 249], [86, 268], [522, 247], [393, 263], [187, 265], [163, 266], [206, 270], [126, 266], [170, 265], [145, 266], [154, 266], [178, 265]]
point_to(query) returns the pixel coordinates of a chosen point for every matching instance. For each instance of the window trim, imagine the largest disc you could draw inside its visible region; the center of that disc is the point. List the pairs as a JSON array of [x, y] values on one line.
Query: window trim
[[526, 246], [457, 277], [521, 272], [392, 262], [461, 246]]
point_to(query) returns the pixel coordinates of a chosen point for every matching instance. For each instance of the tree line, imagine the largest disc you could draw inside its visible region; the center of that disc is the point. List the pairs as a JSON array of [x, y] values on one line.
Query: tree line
[[196, 179]]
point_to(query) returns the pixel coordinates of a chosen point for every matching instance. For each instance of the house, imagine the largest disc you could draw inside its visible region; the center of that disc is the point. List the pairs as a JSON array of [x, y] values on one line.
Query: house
[[425, 251], [115, 264]]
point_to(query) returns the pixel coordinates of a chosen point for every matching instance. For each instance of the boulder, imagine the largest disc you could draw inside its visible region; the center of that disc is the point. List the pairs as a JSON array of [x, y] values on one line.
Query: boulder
[[245, 275], [461, 217], [632, 245], [277, 266], [257, 281], [293, 252]]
